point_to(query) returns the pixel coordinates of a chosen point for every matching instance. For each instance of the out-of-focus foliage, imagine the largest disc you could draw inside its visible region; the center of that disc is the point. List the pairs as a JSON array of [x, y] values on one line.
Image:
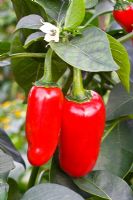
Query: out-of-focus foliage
[[12, 117], [8, 89], [12, 108], [7, 26], [7, 19], [12, 111]]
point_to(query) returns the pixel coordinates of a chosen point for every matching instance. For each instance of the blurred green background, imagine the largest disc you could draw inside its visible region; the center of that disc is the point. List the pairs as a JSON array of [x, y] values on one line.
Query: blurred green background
[[12, 108]]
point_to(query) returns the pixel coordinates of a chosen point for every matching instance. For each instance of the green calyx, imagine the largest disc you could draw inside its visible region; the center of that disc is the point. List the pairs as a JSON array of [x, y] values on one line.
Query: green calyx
[[87, 97], [43, 83], [121, 5]]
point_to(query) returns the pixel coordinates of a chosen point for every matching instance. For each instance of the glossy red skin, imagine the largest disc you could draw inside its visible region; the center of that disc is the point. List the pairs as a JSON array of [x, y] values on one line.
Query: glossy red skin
[[82, 130], [125, 18], [43, 123]]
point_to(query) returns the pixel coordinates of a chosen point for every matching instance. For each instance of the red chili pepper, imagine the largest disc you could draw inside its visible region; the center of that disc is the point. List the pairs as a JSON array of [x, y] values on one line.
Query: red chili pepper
[[123, 14], [82, 128], [43, 123]]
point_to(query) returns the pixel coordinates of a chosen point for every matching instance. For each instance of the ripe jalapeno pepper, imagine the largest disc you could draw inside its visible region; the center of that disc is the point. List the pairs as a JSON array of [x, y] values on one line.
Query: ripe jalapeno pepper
[[43, 118], [43, 123], [82, 129]]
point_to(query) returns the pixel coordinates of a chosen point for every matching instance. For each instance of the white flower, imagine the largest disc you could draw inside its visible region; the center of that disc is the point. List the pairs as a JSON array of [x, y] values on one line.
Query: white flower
[[51, 32]]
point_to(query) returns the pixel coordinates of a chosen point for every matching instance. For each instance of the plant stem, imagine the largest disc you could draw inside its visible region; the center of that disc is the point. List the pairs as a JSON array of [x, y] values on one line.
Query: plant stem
[[78, 90], [21, 55], [33, 176], [86, 24], [126, 37], [47, 66], [29, 55]]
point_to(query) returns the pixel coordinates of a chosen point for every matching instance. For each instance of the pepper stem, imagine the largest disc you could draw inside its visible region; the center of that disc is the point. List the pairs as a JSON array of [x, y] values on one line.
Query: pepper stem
[[78, 91], [33, 176], [47, 76]]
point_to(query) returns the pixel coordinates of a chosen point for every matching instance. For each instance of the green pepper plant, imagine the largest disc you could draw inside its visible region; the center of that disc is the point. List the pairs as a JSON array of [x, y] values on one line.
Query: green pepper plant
[[69, 58]]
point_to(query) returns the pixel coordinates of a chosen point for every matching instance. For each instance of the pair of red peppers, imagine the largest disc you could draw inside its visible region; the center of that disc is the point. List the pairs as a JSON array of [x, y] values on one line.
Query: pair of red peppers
[[75, 123]]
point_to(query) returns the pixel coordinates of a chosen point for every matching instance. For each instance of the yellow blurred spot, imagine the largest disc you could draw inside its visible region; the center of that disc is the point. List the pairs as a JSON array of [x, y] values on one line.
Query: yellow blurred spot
[[6, 104], [18, 113], [5, 120]]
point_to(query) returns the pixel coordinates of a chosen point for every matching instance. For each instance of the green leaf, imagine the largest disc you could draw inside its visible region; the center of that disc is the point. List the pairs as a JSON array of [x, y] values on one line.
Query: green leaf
[[13, 193], [30, 22], [6, 164], [23, 8], [121, 57], [58, 176], [105, 185], [7, 146], [58, 67], [33, 38], [51, 192], [75, 14], [120, 103], [117, 146], [91, 3], [96, 198], [29, 70], [55, 9], [4, 47], [25, 70], [3, 191], [89, 51]]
